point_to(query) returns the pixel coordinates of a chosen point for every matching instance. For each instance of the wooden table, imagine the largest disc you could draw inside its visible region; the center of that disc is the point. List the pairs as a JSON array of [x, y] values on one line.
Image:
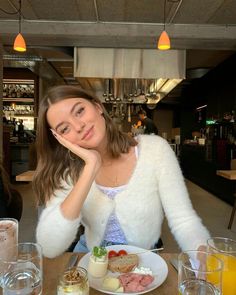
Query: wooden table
[[25, 176], [53, 268], [231, 175]]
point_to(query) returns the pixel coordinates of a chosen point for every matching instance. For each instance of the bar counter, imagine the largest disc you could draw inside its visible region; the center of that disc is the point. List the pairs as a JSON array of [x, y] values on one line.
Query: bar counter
[[199, 165]]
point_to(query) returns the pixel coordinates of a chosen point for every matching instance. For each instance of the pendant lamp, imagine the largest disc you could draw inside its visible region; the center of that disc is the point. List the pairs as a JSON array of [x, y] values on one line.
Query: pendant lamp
[[164, 40], [19, 43]]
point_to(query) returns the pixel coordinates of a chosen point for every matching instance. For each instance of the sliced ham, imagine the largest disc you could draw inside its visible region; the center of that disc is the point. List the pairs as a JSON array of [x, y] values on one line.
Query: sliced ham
[[146, 280], [133, 282], [133, 286]]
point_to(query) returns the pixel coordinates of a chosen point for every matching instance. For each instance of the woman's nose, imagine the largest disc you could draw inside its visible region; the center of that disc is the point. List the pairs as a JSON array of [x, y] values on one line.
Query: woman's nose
[[79, 125]]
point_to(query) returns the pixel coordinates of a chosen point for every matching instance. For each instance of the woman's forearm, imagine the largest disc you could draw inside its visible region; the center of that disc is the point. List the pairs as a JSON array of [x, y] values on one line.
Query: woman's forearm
[[73, 203]]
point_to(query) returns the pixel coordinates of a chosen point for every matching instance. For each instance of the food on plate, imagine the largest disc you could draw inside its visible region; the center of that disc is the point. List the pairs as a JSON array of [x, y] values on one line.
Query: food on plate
[[133, 282], [120, 290], [143, 270], [122, 252], [124, 263], [112, 284], [98, 262], [113, 253], [74, 281]]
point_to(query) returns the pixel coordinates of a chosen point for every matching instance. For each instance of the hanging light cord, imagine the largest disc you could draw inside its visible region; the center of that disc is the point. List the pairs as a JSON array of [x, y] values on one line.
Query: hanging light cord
[[12, 13], [19, 16], [164, 21], [7, 12]]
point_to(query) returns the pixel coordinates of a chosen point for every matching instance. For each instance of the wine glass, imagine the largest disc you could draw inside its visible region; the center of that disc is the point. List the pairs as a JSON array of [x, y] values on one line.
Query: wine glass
[[199, 272], [225, 249]]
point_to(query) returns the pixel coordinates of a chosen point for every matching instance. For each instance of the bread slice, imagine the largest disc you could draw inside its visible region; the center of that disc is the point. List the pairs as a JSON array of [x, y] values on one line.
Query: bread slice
[[124, 263]]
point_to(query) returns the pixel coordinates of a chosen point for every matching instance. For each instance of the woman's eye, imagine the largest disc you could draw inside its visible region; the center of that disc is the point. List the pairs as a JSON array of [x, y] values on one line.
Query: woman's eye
[[64, 130], [79, 111]]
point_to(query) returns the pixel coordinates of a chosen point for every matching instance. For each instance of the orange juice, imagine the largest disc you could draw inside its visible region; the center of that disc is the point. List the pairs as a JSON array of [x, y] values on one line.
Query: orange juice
[[228, 274]]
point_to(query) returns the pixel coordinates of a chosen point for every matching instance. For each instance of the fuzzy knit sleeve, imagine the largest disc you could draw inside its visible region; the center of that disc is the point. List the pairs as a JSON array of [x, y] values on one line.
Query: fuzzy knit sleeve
[[184, 223], [54, 232]]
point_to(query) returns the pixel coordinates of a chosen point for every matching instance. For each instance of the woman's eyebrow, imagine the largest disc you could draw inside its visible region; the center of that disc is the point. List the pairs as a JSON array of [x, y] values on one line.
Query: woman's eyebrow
[[71, 111], [74, 106]]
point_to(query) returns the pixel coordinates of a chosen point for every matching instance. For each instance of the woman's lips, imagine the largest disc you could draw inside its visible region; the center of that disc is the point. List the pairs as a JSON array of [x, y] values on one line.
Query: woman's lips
[[88, 134]]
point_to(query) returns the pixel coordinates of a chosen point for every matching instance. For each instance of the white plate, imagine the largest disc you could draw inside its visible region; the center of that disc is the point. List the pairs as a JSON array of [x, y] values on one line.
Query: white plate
[[148, 259]]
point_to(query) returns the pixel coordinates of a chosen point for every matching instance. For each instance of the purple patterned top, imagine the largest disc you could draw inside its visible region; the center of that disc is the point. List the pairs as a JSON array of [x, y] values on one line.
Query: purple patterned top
[[113, 232]]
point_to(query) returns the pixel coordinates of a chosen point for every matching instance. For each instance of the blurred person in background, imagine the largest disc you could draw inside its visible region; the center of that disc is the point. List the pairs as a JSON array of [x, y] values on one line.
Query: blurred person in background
[[149, 125]]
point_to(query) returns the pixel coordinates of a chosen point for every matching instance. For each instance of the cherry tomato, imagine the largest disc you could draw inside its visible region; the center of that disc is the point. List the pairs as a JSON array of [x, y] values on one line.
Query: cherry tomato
[[122, 252], [112, 253]]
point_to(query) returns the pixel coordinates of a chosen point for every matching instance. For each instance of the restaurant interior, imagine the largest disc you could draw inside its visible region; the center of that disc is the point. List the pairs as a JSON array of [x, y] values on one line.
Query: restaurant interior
[[110, 47]]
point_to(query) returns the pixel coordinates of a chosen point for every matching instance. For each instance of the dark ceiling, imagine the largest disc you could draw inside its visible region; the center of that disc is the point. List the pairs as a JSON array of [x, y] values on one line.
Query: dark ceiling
[[204, 28]]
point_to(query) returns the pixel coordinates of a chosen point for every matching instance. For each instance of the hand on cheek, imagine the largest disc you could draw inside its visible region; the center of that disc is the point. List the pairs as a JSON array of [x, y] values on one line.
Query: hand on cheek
[[90, 156], [66, 143]]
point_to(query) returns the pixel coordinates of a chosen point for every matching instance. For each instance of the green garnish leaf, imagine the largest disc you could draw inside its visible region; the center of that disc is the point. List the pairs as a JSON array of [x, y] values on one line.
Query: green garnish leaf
[[99, 251]]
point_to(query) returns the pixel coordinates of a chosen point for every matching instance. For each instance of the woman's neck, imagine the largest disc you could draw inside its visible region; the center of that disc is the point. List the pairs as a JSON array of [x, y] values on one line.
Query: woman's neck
[[102, 148]]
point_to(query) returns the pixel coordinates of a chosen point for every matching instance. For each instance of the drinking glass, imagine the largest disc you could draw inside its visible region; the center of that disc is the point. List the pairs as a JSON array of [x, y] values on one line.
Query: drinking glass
[[8, 238], [225, 249], [199, 273], [74, 281], [22, 271], [8, 235]]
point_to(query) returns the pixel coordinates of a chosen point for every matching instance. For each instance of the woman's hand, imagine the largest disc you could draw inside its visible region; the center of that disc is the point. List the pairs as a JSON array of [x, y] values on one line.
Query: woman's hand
[[202, 248], [74, 201], [90, 157]]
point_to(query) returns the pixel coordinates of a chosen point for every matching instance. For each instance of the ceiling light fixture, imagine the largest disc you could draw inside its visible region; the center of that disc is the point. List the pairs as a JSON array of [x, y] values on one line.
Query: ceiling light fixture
[[164, 40], [19, 43], [169, 85]]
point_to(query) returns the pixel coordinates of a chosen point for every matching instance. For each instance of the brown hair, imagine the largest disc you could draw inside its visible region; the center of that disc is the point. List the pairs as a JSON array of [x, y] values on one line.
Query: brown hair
[[142, 112], [54, 162], [6, 183]]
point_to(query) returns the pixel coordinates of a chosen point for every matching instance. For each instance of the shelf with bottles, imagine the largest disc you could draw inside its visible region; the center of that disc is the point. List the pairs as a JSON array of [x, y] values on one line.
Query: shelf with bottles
[[11, 99], [18, 90], [13, 110]]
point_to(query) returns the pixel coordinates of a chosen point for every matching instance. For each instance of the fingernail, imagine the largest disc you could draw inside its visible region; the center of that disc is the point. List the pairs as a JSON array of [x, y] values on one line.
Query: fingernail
[[53, 132]]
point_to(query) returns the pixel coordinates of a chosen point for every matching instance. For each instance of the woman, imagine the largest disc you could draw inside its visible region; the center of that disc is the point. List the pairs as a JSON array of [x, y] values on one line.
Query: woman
[[90, 173]]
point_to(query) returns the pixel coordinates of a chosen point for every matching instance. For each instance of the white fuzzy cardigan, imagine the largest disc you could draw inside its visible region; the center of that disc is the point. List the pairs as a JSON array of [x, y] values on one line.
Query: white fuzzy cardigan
[[156, 184]]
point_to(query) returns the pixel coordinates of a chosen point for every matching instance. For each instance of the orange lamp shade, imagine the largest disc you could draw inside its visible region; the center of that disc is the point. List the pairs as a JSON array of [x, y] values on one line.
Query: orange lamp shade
[[164, 41], [19, 43]]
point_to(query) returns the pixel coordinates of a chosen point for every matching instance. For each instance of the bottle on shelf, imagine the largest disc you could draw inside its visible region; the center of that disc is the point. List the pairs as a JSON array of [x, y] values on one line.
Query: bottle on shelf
[[4, 90]]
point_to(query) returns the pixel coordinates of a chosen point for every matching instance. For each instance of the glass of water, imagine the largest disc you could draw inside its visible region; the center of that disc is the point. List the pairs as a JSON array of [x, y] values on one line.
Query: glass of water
[[22, 272], [199, 273]]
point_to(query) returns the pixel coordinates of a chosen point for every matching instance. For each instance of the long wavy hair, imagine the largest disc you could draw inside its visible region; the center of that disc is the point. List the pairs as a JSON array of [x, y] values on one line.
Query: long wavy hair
[[54, 162], [6, 183]]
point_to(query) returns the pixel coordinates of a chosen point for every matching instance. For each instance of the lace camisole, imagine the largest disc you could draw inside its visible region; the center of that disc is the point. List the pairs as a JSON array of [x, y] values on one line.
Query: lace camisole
[[113, 232]]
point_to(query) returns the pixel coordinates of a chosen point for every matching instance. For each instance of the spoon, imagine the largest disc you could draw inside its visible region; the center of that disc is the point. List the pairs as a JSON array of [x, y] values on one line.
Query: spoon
[[150, 250]]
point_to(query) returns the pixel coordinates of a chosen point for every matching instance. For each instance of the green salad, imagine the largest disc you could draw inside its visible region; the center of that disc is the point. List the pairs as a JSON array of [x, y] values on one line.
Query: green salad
[[99, 252]]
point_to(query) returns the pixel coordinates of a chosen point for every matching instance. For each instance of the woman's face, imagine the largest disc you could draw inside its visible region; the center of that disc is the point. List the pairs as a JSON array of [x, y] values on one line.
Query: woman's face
[[79, 121]]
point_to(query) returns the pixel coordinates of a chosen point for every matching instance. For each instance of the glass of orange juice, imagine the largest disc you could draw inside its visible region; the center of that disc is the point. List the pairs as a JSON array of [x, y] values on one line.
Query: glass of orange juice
[[225, 250]]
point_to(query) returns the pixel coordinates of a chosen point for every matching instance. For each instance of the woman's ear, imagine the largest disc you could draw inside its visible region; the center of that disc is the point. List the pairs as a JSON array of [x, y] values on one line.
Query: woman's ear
[[99, 107]]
